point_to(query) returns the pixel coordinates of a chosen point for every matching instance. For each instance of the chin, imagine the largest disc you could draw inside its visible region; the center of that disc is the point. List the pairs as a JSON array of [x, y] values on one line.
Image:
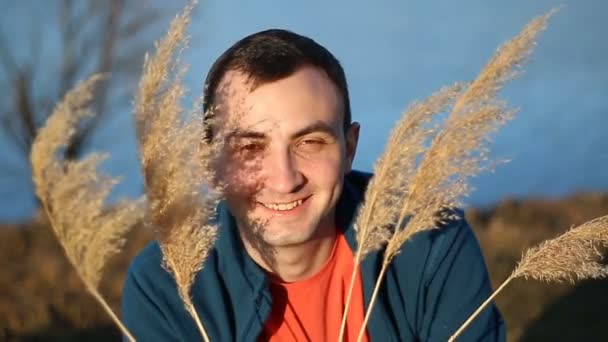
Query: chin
[[282, 237]]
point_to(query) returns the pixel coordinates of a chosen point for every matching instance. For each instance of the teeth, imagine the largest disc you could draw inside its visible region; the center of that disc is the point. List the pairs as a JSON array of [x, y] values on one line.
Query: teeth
[[282, 206]]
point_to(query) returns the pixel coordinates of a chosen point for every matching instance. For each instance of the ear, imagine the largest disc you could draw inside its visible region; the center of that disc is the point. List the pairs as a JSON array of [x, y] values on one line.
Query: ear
[[352, 138]]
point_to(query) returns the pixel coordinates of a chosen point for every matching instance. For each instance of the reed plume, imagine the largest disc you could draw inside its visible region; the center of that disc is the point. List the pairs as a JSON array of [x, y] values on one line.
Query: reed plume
[[176, 162], [457, 152], [392, 172], [575, 255], [72, 194]]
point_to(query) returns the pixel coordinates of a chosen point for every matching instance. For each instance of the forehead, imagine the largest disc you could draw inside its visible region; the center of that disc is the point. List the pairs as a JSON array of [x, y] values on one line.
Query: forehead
[[297, 100]]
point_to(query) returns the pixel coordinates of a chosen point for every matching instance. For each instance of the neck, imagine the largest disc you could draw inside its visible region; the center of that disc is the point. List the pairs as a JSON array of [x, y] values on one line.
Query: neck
[[295, 262]]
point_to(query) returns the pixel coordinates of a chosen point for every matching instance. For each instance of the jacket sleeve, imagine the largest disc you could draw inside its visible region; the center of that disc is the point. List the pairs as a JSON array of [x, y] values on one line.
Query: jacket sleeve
[[457, 283], [141, 314]]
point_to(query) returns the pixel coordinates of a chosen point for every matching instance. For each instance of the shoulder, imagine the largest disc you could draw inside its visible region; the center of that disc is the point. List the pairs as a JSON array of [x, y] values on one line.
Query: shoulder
[[454, 282], [443, 273], [148, 277], [146, 274], [151, 254], [151, 306], [431, 247], [148, 263], [433, 250], [148, 266], [147, 296], [454, 233]]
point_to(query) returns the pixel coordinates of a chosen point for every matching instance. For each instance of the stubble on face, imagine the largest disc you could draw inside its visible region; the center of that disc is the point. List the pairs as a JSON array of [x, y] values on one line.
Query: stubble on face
[[257, 172]]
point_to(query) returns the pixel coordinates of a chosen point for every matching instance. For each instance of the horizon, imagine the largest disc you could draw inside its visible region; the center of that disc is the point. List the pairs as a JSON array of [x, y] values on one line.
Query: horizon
[[403, 51]]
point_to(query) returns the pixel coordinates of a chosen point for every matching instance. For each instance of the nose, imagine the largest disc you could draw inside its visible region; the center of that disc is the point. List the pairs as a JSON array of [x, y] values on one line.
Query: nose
[[282, 173]]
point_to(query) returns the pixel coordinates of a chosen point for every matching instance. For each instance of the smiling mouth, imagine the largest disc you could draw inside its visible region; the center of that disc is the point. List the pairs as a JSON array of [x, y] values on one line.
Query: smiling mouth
[[284, 206]]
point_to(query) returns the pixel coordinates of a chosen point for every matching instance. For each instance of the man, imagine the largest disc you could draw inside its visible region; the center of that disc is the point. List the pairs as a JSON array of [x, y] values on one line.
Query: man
[[288, 166]]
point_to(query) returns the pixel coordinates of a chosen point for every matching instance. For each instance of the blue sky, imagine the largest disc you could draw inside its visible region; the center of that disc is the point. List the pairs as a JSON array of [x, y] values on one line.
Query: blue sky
[[395, 52]]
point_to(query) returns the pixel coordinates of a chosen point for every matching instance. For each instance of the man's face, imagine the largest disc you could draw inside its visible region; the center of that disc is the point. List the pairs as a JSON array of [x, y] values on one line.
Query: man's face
[[286, 155]]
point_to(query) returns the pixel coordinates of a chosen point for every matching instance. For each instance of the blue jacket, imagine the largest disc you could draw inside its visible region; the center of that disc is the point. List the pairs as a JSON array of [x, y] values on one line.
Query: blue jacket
[[431, 287]]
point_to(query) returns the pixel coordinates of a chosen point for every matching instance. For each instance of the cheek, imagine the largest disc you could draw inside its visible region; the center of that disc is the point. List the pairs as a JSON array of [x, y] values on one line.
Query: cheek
[[324, 169], [240, 178]]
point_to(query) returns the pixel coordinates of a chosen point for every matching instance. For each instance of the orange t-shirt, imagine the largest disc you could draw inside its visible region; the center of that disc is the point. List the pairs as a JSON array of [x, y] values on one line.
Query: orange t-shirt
[[312, 309]]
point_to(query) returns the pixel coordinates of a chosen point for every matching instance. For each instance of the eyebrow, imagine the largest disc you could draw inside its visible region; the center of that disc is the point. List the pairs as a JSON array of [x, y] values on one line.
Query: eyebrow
[[241, 134], [318, 126]]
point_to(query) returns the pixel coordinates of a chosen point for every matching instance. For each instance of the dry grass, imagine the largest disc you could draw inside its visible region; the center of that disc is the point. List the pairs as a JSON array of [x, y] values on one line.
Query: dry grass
[[35, 306], [503, 65], [43, 298], [457, 152], [176, 163], [392, 173], [395, 169], [176, 166], [538, 311], [182, 197], [72, 194], [577, 254]]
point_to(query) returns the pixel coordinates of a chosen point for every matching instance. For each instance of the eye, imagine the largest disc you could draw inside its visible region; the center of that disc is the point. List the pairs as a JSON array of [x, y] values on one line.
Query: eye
[[312, 141], [311, 145], [252, 147], [246, 148]]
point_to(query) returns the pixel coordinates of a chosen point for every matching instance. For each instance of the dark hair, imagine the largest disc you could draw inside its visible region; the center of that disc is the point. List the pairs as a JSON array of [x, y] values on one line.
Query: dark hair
[[271, 55]]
